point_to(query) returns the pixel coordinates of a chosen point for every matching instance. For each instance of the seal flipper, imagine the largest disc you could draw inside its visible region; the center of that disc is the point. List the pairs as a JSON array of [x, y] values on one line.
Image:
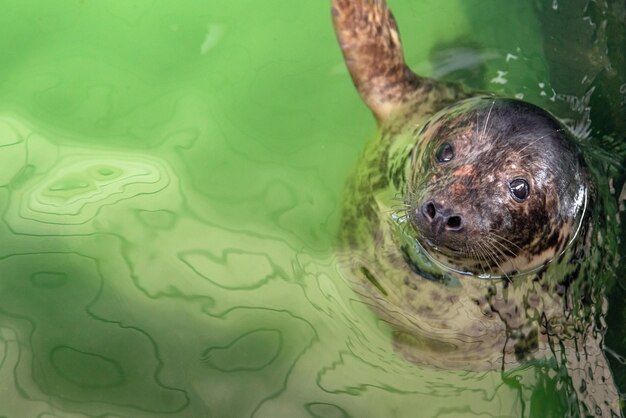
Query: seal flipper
[[369, 39]]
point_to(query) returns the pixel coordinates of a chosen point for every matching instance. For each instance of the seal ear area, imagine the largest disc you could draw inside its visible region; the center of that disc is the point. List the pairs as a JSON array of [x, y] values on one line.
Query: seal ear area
[[369, 39]]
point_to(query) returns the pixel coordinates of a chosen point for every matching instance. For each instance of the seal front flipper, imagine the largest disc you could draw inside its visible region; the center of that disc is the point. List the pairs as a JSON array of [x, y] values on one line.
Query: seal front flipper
[[369, 39]]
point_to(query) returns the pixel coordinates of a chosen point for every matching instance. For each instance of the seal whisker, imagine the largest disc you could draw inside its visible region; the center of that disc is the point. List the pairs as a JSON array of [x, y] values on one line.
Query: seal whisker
[[495, 245], [479, 258], [540, 138], [482, 136], [493, 234], [497, 255], [494, 257], [400, 211], [475, 256], [506, 251], [484, 254], [400, 208], [486, 257], [501, 256], [502, 247]]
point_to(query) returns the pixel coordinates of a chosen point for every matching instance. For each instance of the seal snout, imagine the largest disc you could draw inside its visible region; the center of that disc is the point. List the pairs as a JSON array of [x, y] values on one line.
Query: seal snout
[[437, 215]]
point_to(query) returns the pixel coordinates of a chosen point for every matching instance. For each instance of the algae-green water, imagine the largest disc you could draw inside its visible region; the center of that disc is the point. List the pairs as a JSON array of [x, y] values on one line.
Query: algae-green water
[[171, 177]]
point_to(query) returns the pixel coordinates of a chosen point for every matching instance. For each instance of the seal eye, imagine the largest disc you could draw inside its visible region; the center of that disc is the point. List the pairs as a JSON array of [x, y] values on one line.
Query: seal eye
[[445, 153], [519, 189]]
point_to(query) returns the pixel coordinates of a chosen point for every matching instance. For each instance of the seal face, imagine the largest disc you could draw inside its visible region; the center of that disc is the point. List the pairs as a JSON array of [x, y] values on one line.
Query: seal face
[[496, 187]]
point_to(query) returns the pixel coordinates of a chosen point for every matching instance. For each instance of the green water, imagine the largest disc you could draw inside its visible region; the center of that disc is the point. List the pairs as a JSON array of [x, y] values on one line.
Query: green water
[[171, 177]]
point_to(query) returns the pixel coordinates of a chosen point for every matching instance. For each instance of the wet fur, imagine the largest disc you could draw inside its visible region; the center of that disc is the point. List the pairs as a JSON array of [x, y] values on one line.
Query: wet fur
[[451, 320]]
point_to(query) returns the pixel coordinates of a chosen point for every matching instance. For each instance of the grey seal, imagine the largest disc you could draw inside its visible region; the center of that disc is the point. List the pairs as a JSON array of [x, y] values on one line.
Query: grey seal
[[469, 222]]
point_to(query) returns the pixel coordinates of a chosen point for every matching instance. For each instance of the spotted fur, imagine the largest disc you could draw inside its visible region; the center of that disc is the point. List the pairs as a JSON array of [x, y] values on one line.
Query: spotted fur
[[510, 280]]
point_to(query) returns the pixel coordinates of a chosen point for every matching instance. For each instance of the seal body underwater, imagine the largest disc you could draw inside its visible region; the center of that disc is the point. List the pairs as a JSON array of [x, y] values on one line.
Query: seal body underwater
[[469, 223]]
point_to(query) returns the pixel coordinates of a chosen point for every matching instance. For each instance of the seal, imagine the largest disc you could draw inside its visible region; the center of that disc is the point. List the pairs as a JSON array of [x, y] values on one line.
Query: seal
[[469, 223]]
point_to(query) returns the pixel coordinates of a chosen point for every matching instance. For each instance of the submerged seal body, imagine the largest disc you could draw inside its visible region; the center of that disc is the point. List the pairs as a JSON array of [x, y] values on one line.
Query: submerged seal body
[[469, 221]]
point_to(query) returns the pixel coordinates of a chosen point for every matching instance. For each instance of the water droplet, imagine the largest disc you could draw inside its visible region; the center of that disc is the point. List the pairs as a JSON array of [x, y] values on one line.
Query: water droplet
[[499, 79]]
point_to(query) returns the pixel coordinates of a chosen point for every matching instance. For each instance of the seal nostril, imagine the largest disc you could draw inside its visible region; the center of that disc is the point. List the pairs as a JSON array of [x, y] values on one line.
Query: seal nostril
[[454, 223], [429, 211]]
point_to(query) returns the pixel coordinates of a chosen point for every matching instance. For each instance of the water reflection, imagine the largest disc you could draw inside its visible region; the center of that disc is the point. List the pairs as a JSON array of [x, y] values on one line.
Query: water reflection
[[118, 299]]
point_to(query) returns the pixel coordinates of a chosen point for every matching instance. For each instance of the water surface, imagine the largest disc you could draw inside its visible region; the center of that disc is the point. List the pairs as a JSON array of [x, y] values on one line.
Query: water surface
[[170, 188]]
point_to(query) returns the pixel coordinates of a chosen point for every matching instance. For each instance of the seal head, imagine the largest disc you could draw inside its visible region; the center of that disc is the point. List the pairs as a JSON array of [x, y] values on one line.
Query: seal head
[[497, 187]]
